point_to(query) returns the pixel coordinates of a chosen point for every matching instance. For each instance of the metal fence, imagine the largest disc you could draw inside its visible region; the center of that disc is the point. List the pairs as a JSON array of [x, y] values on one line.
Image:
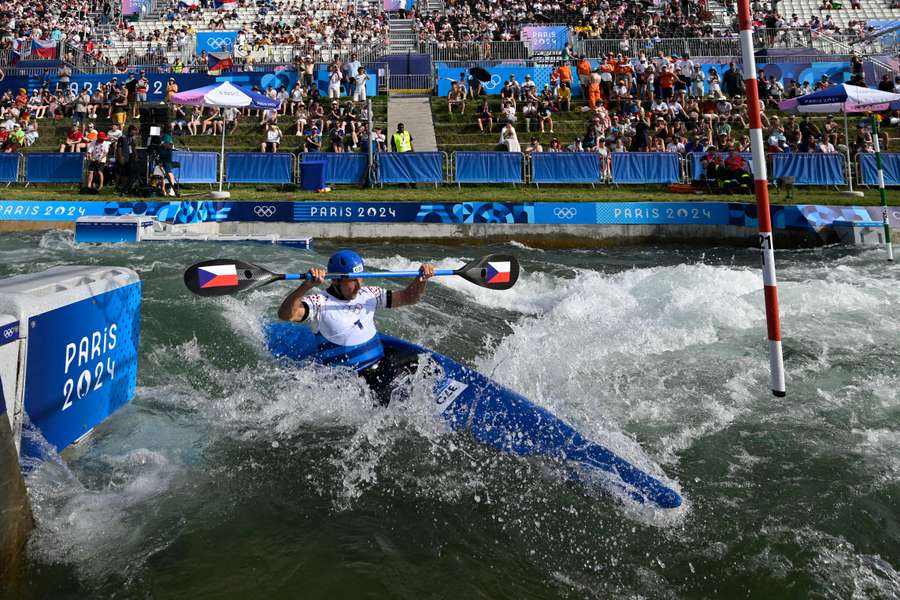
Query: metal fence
[[470, 51]]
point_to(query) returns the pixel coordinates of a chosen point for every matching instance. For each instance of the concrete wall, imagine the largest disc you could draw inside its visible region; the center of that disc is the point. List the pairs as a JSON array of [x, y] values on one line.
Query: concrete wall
[[15, 511], [538, 236]]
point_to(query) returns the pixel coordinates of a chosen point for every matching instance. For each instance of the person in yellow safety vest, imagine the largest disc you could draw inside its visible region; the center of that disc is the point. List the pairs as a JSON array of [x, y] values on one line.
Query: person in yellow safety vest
[[401, 141]]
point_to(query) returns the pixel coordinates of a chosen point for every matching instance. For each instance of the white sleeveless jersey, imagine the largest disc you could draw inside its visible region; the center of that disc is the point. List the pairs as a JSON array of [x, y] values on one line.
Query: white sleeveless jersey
[[346, 329]]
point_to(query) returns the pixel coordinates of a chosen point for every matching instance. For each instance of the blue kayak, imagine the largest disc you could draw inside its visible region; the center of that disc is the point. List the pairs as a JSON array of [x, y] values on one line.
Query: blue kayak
[[499, 417]]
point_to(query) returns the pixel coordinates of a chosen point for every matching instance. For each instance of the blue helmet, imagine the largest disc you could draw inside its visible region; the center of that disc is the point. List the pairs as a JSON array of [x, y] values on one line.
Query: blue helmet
[[345, 261]]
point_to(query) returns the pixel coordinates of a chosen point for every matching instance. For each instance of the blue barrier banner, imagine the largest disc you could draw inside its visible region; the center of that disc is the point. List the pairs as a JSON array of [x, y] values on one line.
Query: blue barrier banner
[[488, 167], [476, 212], [584, 213], [645, 167], [661, 213], [345, 167], [356, 212], [196, 167], [890, 164], [410, 167], [259, 167], [553, 37], [697, 171], [565, 167], [567, 213], [9, 167], [54, 167], [810, 169], [215, 41]]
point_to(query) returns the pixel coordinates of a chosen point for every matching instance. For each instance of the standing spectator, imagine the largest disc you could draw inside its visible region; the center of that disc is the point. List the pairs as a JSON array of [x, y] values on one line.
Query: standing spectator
[[334, 82], [351, 70], [171, 89], [141, 87], [583, 68], [64, 76], [97, 155], [359, 85], [733, 82]]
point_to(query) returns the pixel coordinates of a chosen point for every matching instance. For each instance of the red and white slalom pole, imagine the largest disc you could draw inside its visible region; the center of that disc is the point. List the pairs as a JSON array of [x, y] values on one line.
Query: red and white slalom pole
[[773, 321]]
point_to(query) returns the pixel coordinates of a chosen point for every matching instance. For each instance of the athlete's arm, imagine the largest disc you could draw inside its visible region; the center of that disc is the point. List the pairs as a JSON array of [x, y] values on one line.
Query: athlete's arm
[[415, 290], [293, 308]]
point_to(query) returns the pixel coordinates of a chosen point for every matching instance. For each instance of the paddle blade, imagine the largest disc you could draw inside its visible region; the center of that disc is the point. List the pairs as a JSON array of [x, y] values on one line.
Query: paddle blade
[[495, 271], [222, 276]]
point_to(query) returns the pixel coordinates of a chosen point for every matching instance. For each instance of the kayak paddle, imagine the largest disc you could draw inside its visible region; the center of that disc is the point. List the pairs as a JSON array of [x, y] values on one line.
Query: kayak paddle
[[222, 276]]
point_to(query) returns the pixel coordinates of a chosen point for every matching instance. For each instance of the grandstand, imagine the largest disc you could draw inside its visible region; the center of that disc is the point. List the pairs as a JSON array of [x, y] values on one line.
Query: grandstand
[[643, 76]]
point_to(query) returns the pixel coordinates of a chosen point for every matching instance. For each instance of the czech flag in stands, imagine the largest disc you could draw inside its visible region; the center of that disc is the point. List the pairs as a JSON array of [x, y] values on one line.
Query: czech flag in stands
[[217, 276], [225, 4], [497, 272], [219, 61], [189, 4], [43, 48]]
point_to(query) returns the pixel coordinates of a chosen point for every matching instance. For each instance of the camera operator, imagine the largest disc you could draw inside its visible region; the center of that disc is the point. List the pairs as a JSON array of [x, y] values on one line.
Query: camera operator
[[166, 148], [126, 161]]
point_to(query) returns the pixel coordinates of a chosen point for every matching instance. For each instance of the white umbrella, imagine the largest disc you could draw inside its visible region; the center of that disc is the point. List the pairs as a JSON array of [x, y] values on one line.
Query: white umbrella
[[224, 95]]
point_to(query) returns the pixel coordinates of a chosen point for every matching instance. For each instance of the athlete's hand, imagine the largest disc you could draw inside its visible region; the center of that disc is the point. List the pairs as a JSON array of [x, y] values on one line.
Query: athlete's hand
[[317, 276], [426, 271]]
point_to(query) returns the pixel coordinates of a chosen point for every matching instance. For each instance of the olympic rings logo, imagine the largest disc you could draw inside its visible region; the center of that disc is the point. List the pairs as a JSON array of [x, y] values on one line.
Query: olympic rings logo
[[219, 43], [9, 332], [494, 82], [565, 213], [264, 211]]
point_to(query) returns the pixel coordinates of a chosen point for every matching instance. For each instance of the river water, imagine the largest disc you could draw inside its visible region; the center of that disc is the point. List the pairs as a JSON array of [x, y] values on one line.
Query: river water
[[231, 475]]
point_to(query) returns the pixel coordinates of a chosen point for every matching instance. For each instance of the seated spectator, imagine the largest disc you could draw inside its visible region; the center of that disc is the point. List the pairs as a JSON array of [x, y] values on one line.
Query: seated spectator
[[301, 119], [545, 116], [213, 124], [508, 112], [528, 87], [565, 97], [336, 134], [230, 116], [312, 142], [456, 99], [484, 116], [74, 140], [554, 146], [509, 141], [534, 146], [272, 138]]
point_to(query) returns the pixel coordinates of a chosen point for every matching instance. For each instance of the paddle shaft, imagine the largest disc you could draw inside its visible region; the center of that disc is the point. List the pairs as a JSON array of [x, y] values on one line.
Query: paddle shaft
[[367, 274]]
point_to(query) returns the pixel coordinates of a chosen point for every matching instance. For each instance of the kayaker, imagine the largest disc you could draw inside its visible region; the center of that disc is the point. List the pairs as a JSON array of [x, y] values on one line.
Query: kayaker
[[343, 319]]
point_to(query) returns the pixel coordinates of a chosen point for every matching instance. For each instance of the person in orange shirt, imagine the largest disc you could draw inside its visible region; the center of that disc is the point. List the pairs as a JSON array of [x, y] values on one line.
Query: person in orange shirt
[[666, 83], [624, 70], [594, 96], [22, 99], [583, 68], [565, 74], [607, 69]]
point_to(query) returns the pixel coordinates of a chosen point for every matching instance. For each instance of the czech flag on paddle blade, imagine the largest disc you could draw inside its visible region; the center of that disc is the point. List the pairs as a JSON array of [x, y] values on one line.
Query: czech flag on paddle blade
[[497, 272], [217, 276]]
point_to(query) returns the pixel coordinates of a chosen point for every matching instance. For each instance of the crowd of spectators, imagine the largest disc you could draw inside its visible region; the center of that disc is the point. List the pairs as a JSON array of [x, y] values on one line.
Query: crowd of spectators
[[653, 104], [490, 20]]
